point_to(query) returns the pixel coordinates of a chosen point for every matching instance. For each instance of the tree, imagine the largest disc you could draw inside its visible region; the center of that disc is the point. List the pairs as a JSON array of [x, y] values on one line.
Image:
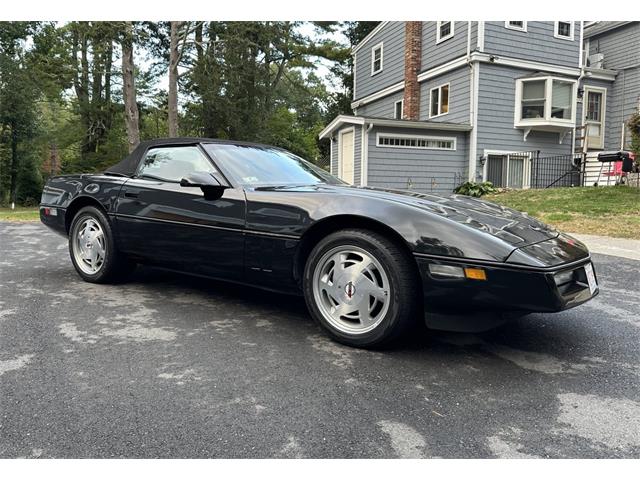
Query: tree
[[18, 97], [131, 115], [174, 60]]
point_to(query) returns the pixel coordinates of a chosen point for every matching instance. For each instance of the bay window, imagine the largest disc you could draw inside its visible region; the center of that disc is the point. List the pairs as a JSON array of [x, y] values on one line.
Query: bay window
[[545, 102]]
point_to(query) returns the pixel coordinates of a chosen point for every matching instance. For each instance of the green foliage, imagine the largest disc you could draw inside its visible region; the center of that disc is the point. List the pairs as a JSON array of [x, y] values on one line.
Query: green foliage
[[475, 189], [634, 126], [61, 90]]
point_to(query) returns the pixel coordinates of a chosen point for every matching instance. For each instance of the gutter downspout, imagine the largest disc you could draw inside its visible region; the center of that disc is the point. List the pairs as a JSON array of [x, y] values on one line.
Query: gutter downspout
[[582, 74], [474, 76], [573, 132]]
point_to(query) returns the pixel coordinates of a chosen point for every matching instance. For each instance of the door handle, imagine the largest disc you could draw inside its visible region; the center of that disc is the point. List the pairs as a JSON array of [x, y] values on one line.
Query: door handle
[[130, 194]]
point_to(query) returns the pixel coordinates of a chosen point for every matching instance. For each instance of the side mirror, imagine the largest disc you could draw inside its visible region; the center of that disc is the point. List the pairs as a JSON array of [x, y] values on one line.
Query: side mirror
[[212, 187]]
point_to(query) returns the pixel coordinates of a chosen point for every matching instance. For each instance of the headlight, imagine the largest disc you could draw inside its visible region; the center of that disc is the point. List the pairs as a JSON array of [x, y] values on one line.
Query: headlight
[[447, 271]]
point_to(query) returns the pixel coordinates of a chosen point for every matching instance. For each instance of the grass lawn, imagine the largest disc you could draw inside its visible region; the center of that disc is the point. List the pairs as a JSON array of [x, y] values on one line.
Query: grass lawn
[[611, 211], [20, 214]]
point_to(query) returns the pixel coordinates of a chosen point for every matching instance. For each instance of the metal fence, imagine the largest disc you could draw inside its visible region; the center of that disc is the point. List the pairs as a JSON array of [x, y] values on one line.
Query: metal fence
[[556, 171], [533, 170]]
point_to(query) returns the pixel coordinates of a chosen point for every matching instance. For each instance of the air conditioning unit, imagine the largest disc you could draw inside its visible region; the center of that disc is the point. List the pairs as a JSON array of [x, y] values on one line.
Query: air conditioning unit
[[596, 60]]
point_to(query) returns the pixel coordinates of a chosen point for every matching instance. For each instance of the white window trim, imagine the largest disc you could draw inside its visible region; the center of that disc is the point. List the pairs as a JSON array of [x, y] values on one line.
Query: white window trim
[[417, 137], [526, 171], [572, 30], [373, 49], [401, 102], [440, 39], [547, 119], [439, 87], [603, 111], [513, 27], [340, 162]]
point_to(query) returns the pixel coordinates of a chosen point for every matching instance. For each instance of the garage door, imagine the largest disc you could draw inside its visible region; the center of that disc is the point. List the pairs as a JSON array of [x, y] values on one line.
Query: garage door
[[346, 156]]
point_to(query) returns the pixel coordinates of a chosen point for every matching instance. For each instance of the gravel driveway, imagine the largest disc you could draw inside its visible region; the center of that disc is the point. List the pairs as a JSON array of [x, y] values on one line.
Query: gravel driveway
[[172, 366]]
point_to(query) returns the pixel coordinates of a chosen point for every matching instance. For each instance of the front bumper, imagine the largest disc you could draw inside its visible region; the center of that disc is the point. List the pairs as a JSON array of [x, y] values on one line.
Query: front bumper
[[509, 288]]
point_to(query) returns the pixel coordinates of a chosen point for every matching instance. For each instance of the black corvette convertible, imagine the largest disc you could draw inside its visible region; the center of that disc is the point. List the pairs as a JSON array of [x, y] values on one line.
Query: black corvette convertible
[[369, 262]]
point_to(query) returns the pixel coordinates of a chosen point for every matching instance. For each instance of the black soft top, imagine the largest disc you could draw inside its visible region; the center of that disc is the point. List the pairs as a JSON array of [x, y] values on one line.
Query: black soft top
[[128, 165]]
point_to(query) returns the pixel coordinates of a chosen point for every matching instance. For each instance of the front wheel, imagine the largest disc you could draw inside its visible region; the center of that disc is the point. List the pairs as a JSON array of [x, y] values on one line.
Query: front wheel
[[93, 250], [361, 288]]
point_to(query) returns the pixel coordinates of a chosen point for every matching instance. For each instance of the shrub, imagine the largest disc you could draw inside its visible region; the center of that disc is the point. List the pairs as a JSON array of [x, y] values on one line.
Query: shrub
[[475, 189]]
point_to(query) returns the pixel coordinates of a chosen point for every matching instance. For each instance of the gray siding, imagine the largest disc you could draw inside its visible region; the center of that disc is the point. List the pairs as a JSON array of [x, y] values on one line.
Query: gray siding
[[437, 54], [496, 104], [382, 108], [536, 44], [615, 44], [334, 155], [621, 48], [392, 36], [459, 96], [417, 169], [357, 155]]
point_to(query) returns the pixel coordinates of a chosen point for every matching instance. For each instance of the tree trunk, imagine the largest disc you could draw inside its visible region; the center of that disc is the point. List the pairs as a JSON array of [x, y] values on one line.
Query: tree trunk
[[131, 115], [14, 165], [174, 59]]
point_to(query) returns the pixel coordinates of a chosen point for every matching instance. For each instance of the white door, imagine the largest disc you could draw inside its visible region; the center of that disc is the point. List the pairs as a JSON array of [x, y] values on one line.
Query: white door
[[594, 105], [346, 156]]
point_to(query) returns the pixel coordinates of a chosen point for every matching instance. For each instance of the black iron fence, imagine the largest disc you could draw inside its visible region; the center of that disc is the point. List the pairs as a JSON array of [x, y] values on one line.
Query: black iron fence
[[556, 171], [533, 170]]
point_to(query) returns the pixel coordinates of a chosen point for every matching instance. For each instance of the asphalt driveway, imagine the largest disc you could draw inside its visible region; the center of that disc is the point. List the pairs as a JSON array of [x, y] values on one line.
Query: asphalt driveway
[[171, 366]]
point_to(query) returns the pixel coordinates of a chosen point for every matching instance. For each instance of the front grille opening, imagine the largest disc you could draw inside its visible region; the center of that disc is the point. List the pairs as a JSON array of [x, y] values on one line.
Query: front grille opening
[[571, 281]]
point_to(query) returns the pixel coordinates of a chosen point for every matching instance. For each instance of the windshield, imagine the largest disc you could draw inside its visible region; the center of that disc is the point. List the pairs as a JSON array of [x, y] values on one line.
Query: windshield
[[262, 165]]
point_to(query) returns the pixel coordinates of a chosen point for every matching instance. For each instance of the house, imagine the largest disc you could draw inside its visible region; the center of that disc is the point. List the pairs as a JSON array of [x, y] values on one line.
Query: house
[[442, 102]]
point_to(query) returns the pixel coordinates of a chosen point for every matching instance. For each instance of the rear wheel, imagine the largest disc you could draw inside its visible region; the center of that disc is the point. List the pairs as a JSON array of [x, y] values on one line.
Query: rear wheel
[[361, 288], [93, 250]]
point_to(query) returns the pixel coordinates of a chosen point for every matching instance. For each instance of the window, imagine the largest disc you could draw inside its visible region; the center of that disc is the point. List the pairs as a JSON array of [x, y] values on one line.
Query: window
[[172, 164], [256, 165], [397, 109], [564, 30], [510, 170], [416, 141], [533, 99], [546, 101], [594, 108], [518, 25], [376, 59], [439, 101], [444, 31], [561, 100]]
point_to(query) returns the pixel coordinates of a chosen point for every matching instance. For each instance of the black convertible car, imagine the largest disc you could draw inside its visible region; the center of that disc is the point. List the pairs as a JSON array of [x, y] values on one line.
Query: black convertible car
[[370, 262]]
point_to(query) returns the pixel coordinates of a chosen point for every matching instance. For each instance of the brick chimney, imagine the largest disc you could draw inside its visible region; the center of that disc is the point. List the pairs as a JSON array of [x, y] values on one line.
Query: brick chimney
[[412, 61]]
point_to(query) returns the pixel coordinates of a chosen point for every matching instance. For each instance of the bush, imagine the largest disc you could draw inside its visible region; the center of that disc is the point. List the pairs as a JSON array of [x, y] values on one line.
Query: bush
[[474, 189]]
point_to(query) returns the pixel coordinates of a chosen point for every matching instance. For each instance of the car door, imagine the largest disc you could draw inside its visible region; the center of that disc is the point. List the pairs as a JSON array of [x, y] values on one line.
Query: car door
[[163, 223]]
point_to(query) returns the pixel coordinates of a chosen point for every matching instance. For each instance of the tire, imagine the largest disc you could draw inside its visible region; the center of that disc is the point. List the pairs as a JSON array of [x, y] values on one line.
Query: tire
[[93, 250], [361, 269]]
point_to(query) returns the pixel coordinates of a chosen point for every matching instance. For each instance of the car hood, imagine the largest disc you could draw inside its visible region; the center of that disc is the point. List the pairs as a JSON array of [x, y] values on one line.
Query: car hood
[[511, 226]]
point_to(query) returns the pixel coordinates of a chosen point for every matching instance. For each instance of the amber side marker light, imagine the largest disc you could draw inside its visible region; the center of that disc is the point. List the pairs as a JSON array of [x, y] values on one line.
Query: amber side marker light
[[475, 273]]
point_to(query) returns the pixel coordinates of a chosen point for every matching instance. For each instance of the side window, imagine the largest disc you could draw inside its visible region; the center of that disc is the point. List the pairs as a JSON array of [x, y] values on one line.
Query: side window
[[174, 163]]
